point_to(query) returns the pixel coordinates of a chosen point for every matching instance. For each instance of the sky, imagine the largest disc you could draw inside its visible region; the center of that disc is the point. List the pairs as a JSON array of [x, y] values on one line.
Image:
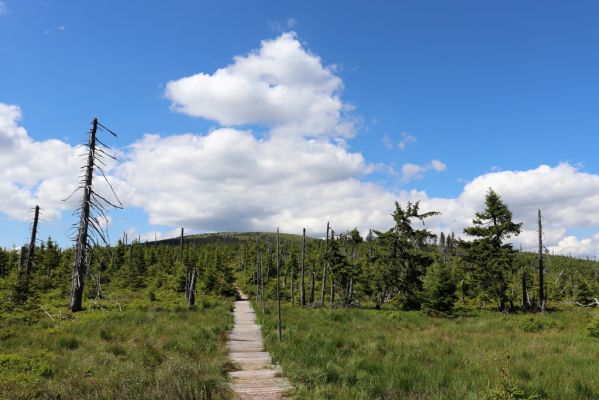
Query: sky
[[246, 116]]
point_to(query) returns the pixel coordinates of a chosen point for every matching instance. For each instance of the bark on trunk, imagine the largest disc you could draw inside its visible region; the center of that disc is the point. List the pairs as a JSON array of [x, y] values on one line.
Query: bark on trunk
[[302, 266], [324, 268], [278, 289], [78, 273]]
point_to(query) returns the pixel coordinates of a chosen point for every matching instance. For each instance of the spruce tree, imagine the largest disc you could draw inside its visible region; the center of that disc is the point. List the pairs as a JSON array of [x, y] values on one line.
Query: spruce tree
[[439, 290], [491, 260]]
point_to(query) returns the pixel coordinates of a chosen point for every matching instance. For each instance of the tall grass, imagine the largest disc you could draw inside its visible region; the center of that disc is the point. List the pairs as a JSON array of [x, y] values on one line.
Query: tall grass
[[369, 354], [128, 347]]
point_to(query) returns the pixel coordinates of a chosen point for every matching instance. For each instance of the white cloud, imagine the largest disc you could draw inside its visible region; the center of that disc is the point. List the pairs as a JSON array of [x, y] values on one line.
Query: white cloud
[[438, 166], [406, 139], [387, 142], [280, 86], [281, 27], [567, 197], [33, 172], [230, 180], [3, 9], [410, 172]]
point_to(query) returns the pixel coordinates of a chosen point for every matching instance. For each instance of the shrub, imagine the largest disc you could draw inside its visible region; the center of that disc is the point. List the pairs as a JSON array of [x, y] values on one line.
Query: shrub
[[593, 328]]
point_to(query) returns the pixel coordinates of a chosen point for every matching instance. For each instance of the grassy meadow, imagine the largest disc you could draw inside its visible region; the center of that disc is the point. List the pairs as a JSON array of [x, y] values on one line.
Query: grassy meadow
[[134, 345], [387, 354]]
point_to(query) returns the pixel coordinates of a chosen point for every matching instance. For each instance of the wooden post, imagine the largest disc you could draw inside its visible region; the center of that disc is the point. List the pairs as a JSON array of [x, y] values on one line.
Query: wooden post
[[78, 274], [302, 262], [542, 299], [278, 289], [324, 268]]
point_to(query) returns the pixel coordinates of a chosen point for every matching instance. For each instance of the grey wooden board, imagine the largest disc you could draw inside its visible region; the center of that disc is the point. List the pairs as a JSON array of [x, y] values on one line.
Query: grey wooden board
[[257, 377]]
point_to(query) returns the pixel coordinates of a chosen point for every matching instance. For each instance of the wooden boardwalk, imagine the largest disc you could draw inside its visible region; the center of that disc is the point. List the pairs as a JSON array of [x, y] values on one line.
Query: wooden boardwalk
[[257, 377]]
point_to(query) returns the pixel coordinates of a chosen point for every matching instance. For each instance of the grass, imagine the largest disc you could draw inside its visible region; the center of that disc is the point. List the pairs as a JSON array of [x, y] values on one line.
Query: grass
[[126, 348], [369, 354]]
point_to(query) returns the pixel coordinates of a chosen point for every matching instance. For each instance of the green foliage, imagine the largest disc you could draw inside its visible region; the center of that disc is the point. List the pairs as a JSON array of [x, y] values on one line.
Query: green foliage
[[403, 256], [491, 261], [506, 389], [593, 327], [439, 294]]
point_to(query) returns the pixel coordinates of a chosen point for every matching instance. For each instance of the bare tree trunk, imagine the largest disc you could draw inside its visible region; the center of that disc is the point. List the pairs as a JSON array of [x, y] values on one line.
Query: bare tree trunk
[[278, 288], [525, 303], [292, 291], [324, 267], [542, 299], [78, 274], [268, 264], [332, 276], [312, 278], [256, 275], [31, 251], [302, 262], [261, 286], [191, 298]]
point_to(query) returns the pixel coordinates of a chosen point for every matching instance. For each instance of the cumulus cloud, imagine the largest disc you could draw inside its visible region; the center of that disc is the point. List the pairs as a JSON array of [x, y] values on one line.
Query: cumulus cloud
[[281, 86], [33, 172], [230, 180], [567, 197]]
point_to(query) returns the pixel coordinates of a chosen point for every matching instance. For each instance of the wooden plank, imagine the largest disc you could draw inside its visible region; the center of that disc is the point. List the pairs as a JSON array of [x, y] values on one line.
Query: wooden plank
[[258, 377]]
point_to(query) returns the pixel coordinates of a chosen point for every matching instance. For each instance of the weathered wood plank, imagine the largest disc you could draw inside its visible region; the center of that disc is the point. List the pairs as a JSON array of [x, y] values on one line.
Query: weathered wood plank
[[258, 377]]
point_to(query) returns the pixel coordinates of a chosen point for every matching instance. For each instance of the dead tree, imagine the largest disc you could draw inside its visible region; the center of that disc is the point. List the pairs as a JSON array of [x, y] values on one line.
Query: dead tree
[[312, 279], [31, 251], [191, 297], [261, 285], [332, 276], [302, 262], [93, 207], [26, 263], [324, 267], [278, 288], [542, 299], [292, 272], [257, 274], [525, 302]]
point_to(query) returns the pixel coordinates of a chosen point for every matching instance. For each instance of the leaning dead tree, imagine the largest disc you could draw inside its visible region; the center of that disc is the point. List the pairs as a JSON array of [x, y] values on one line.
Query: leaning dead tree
[[26, 263], [92, 212]]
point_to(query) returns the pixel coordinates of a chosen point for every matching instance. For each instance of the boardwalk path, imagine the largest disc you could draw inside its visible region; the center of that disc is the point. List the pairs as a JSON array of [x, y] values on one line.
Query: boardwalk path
[[258, 377]]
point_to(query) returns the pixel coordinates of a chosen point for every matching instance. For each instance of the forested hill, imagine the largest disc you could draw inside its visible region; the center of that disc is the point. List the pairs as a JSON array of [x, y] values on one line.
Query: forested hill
[[231, 237]]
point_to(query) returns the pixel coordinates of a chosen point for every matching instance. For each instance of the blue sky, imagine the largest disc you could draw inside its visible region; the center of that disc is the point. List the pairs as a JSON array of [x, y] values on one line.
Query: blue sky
[[482, 87]]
